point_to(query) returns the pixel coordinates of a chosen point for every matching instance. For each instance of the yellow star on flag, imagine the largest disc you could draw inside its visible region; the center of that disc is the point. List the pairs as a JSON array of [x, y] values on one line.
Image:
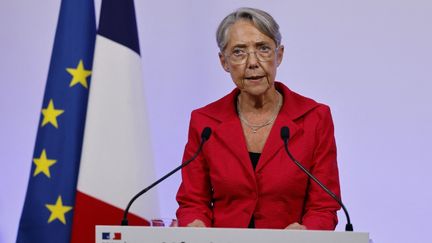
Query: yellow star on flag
[[50, 114], [79, 75], [43, 164], [58, 211]]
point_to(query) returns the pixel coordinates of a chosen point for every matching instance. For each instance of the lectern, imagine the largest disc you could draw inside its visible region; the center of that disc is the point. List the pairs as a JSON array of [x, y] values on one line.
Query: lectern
[[142, 234]]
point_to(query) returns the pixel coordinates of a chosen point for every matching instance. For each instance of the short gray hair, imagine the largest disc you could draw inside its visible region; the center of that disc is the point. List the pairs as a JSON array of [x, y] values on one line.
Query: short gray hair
[[263, 21]]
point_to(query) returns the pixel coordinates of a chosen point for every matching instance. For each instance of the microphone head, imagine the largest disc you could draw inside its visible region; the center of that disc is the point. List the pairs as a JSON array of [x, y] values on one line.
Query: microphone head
[[205, 135], [285, 133]]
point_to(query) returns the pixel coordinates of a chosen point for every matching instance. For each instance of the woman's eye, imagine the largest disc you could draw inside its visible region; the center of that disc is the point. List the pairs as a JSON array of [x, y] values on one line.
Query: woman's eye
[[238, 52], [264, 49]]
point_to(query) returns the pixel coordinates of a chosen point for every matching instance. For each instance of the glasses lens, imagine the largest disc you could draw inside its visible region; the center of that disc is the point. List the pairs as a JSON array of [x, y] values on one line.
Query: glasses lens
[[262, 56]]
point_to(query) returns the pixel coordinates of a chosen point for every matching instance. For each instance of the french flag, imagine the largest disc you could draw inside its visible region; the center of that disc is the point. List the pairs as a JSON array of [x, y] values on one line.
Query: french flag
[[116, 159]]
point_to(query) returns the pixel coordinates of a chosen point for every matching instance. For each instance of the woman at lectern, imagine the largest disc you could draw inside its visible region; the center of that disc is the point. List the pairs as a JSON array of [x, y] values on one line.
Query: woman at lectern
[[244, 177]]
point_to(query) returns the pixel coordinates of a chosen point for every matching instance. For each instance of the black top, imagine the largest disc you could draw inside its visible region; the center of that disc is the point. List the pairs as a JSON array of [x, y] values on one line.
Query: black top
[[254, 157]]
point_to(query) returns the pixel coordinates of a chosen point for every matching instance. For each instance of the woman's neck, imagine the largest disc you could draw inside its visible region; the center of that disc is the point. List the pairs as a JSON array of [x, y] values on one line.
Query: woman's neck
[[259, 104]]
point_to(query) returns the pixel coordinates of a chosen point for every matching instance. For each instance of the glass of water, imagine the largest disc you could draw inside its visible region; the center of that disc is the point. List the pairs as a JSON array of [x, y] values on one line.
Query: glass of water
[[164, 222]]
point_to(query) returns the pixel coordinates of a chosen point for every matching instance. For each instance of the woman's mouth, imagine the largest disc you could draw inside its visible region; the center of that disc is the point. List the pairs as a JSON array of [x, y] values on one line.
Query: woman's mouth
[[254, 78]]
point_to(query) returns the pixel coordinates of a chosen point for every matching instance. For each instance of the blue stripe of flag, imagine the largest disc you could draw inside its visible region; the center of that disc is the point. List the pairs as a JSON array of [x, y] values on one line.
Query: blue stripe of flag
[[117, 22]]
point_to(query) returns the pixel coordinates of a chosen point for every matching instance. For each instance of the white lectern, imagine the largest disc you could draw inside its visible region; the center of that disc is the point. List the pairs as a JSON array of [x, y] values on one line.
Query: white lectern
[[141, 234]]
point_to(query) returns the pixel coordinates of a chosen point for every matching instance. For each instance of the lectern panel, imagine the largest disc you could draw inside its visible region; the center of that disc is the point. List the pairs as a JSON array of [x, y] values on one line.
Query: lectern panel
[[140, 234]]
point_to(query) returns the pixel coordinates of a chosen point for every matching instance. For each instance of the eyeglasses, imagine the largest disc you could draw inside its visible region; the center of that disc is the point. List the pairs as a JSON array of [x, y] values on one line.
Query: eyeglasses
[[239, 56]]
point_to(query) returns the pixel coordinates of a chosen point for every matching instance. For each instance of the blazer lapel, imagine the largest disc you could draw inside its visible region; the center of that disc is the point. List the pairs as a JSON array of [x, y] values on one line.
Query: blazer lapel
[[231, 134], [274, 141], [229, 131], [294, 107]]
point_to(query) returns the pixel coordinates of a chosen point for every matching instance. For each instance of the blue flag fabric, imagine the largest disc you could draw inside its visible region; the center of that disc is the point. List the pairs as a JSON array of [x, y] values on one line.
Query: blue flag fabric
[[49, 203]]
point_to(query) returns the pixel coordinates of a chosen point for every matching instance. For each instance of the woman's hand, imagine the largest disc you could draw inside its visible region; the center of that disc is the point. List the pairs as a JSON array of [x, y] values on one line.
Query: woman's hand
[[196, 223], [296, 226]]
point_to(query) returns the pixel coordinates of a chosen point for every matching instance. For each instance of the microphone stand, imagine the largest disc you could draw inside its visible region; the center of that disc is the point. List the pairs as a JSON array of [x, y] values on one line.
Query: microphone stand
[[205, 135], [285, 136]]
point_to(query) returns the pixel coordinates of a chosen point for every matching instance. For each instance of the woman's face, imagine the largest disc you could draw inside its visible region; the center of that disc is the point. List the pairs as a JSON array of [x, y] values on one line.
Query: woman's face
[[251, 75]]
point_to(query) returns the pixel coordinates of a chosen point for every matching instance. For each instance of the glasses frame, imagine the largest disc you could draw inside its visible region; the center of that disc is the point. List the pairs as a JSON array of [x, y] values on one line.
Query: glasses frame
[[258, 57]]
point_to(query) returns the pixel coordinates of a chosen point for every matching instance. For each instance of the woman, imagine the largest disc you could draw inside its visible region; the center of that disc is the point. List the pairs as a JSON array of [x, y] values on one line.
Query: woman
[[243, 177]]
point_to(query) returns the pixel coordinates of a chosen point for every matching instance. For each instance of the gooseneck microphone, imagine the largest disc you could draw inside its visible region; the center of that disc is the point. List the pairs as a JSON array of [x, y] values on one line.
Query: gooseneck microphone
[[285, 136], [205, 135]]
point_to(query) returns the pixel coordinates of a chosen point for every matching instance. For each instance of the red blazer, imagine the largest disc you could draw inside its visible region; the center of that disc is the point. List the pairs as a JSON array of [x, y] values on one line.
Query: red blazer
[[222, 189]]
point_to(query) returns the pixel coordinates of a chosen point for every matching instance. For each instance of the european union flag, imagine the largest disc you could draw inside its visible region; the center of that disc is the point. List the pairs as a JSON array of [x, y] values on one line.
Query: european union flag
[[50, 198]]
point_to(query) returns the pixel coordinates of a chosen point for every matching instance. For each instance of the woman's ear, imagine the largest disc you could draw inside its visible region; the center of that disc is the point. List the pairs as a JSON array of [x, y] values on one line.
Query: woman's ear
[[224, 62], [280, 53]]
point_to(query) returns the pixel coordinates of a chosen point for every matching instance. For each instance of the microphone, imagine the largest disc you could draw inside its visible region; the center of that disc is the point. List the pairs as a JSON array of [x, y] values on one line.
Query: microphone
[[205, 135], [285, 136]]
